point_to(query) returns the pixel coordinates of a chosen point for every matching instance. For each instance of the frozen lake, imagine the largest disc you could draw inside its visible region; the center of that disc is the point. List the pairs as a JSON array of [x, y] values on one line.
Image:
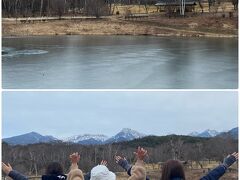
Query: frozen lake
[[119, 62]]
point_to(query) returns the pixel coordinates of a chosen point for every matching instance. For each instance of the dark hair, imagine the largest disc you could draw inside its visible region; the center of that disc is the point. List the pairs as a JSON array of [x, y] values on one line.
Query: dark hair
[[173, 169], [54, 168]]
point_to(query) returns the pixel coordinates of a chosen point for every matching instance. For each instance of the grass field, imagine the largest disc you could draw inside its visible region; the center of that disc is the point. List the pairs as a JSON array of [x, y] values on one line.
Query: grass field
[[156, 25]]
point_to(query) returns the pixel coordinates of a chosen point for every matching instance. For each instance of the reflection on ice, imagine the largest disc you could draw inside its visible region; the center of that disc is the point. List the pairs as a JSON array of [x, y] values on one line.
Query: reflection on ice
[[10, 52]]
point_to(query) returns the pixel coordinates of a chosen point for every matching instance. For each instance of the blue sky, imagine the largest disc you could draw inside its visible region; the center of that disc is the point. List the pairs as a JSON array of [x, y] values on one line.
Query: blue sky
[[64, 114]]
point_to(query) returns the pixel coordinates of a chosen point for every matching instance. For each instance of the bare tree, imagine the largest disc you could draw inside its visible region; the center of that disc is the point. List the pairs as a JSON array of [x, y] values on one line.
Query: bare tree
[[96, 8], [235, 4], [210, 4], [32, 159], [200, 4], [41, 8]]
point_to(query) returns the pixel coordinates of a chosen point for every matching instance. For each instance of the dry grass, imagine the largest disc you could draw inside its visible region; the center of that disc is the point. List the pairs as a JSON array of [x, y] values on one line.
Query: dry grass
[[194, 174], [154, 25]]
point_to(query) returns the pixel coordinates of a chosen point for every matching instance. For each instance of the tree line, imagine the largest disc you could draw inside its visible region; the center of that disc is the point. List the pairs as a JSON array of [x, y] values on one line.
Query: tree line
[[32, 159], [35, 8]]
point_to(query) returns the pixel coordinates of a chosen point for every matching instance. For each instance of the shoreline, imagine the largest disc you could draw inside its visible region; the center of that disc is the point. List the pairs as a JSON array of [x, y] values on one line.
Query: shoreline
[[202, 35], [151, 35], [156, 27]]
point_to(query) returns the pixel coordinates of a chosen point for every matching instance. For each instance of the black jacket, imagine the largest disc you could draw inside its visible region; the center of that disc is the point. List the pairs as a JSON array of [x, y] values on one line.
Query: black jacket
[[54, 177]]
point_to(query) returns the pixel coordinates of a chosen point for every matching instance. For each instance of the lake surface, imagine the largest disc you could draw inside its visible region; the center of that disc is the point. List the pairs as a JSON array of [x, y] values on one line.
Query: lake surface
[[119, 62]]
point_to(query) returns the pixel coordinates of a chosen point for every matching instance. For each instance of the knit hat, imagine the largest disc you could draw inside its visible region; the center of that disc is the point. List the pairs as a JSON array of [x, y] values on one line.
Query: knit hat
[[101, 172]]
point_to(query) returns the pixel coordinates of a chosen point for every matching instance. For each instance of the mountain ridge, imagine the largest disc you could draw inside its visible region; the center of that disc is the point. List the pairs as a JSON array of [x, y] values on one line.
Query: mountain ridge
[[213, 133], [126, 134], [29, 138]]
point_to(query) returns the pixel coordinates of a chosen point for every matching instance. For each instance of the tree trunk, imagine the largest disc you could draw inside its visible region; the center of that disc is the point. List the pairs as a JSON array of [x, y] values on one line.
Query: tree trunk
[[41, 7], [35, 169], [15, 8], [32, 7]]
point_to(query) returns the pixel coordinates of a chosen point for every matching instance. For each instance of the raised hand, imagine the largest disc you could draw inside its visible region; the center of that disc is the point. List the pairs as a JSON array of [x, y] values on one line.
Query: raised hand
[[122, 162], [74, 158], [235, 154], [230, 159], [6, 168], [119, 158], [141, 153], [104, 162]]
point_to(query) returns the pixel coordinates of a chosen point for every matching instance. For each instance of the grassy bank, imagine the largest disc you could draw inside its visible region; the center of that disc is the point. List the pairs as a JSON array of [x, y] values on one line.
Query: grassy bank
[[156, 25]]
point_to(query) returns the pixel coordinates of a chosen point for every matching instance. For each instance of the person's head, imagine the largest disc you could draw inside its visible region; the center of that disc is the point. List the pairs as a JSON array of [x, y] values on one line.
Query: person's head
[[101, 172], [54, 168], [173, 169]]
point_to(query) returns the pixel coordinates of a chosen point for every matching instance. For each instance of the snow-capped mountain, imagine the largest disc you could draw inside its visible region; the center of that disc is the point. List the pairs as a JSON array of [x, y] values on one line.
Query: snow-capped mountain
[[125, 134], [208, 133], [87, 139], [29, 138], [212, 133]]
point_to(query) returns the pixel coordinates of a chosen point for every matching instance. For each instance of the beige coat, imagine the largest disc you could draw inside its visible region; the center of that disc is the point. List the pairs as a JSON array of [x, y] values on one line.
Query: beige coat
[[75, 173], [138, 171]]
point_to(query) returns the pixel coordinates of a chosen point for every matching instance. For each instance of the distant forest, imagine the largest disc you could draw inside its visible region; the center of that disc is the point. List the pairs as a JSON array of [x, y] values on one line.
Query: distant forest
[[32, 159], [39, 8], [34, 8]]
